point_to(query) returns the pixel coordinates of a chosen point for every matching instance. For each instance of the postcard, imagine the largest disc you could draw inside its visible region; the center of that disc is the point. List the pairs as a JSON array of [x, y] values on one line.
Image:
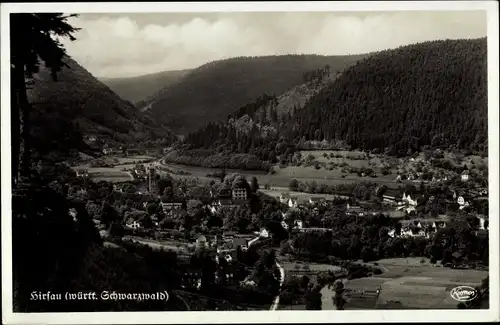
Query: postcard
[[250, 162]]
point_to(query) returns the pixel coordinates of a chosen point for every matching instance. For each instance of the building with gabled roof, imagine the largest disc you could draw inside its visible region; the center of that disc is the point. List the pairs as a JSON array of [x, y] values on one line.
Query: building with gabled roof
[[464, 176]]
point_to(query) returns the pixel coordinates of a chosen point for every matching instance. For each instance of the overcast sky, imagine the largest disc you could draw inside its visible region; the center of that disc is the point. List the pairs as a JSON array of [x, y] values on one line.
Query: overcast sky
[[122, 45]]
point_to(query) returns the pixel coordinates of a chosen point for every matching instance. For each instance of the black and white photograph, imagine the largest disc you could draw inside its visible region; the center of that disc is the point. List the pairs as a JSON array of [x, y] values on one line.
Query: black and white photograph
[[185, 162]]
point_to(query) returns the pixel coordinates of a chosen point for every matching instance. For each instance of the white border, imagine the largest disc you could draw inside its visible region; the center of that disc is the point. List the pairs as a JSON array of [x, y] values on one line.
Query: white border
[[257, 317]]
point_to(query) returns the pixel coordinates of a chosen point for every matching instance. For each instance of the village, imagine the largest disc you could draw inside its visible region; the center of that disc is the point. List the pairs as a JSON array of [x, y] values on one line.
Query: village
[[222, 220]]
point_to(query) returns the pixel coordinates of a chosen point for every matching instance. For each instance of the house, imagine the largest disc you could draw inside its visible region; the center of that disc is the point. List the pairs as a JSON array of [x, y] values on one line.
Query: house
[[228, 258], [212, 209], [264, 233], [239, 194], [438, 225], [82, 173], [225, 203], [392, 196], [107, 151], [409, 200], [464, 176], [463, 202], [73, 213], [353, 210], [170, 207], [483, 223], [201, 242], [284, 197], [316, 200], [134, 225], [413, 232], [293, 203]]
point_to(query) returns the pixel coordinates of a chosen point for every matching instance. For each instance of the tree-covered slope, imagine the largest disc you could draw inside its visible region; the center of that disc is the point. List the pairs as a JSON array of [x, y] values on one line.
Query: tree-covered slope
[[213, 91], [431, 93], [140, 88], [77, 104]]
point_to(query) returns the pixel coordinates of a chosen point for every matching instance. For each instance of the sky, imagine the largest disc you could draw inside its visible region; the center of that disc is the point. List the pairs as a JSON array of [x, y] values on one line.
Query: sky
[[126, 45]]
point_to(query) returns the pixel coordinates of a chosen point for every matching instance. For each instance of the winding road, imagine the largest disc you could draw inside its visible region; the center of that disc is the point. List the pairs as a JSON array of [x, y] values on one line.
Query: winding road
[[276, 300]]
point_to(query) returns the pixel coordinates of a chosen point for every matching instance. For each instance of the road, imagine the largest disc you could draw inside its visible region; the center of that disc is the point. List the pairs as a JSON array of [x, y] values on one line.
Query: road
[[276, 300]]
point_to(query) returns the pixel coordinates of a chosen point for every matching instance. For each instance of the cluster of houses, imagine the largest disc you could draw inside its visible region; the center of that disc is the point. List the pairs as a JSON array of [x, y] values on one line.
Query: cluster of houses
[[228, 198], [409, 202], [224, 246], [294, 202], [427, 227]]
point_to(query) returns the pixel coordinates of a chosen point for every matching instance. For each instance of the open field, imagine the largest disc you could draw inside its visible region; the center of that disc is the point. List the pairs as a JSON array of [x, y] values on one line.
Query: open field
[[132, 159], [114, 174], [283, 176], [409, 284]]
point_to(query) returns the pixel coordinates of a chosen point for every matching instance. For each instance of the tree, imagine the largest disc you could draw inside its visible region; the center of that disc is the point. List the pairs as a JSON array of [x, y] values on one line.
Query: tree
[[32, 38], [115, 230], [254, 185], [152, 208], [338, 299], [313, 299], [294, 185]]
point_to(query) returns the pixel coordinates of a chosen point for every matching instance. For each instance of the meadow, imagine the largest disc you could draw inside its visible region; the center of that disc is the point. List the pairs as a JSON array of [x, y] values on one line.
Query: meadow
[[407, 283]]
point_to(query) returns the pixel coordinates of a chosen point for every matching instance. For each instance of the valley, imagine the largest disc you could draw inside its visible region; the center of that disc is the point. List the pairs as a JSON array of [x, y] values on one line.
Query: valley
[[271, 182]]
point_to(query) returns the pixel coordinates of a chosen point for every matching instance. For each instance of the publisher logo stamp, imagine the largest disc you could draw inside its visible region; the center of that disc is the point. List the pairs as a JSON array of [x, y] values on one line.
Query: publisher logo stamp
[[463, 293]]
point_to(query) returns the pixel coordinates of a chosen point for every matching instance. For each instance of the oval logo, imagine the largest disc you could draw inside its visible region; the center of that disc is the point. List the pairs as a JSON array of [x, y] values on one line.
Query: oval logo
[[463, 293]]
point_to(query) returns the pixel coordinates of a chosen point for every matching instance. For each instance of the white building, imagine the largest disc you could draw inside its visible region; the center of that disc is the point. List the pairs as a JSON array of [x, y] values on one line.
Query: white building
[[134, 225], [483, 223], [239, 194], [201, 242], [462, 202], [409, 200], [465, 176], [293, 203]]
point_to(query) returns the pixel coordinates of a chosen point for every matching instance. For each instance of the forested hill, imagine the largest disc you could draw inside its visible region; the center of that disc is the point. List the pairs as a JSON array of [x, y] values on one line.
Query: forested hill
[[140, 88], [213, 91], [431, 93], [78, 104]]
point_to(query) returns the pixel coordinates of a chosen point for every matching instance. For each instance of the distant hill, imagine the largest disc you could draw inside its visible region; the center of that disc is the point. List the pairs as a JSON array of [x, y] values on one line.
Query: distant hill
[[432, 93], [78, 104], [140, 88], [398, 101], [213, 91]]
